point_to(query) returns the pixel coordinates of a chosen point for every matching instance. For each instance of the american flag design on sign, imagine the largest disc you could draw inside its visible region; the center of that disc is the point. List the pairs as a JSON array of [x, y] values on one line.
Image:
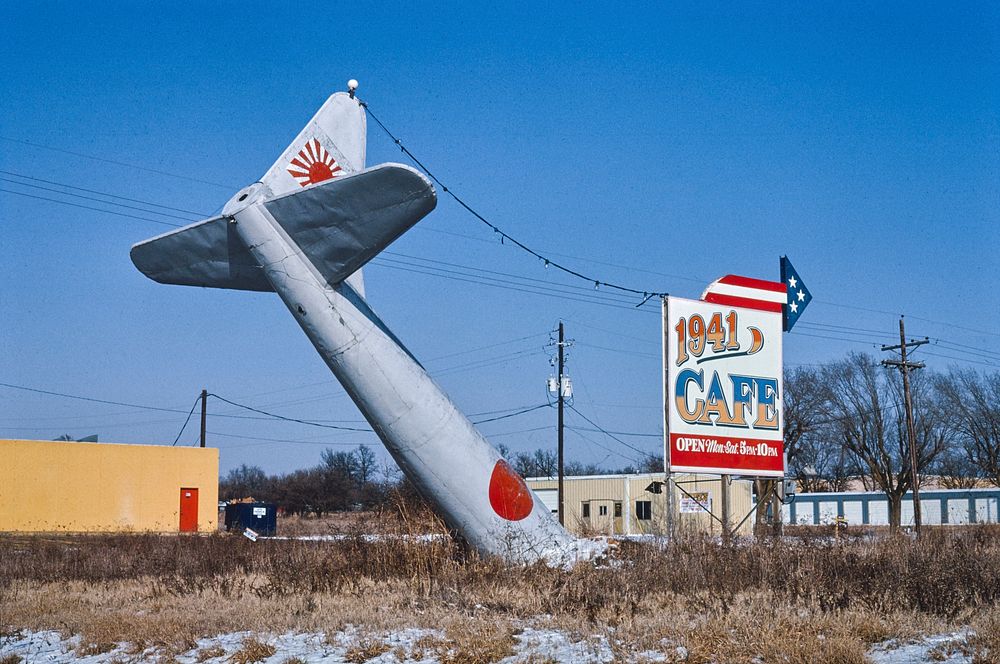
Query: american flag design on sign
[[313, 164], [736, 291], [799, 296]]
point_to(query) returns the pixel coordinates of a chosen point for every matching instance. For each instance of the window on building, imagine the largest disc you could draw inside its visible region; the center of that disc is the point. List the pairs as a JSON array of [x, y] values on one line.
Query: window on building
[[618, 510], [643, 510], [586, 510], [602, 510]]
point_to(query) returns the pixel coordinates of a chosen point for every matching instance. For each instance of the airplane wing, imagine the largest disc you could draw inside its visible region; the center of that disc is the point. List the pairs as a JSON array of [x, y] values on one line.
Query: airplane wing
[[339, 225], [208, 253]]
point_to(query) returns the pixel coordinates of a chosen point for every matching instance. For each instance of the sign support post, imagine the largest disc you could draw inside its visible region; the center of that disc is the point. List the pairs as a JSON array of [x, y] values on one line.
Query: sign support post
[[726, 517], [667, 479]]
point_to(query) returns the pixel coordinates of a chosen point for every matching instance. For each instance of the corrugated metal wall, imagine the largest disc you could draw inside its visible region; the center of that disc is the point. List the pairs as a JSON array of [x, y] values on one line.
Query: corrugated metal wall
[[50, 486], [937, 507]]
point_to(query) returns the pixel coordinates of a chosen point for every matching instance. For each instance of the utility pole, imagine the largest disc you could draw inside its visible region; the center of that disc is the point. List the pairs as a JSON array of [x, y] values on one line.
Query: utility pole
[[204, 414], [667, 477], [904, 366], [559, 400], [726, 518]]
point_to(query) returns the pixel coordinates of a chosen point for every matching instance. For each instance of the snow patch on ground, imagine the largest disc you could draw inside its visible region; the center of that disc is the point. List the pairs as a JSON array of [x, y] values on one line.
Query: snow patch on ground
[[404, 647], [940, 648], [400, 647]]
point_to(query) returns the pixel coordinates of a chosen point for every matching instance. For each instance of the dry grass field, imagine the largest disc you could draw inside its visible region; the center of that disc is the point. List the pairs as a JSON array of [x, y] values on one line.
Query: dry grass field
[[798, 599]]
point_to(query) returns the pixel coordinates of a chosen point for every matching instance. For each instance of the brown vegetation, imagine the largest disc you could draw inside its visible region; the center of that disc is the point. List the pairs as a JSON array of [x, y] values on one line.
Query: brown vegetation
[[807, 599], [252, 650]]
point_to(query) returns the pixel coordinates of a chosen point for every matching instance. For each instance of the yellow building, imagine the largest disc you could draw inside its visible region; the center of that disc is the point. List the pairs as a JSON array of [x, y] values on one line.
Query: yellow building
[[50, 486], [628, 504]]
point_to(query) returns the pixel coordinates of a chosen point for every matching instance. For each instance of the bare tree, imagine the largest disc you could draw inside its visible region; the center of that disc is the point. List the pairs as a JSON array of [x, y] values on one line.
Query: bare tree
[[822, 463], [540, 463], [865, 404], [801, 409], [579, 468], [367, 463], [973, 405], [344, 463], [954, 470], [652, 463], [244, 482]]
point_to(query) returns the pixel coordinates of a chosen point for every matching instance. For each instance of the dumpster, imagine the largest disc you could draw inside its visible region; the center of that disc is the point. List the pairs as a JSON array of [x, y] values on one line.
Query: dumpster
[[260, 517]]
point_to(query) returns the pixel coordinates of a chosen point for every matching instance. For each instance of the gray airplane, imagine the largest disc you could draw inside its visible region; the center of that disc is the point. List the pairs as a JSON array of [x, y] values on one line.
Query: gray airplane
[[304, 231]]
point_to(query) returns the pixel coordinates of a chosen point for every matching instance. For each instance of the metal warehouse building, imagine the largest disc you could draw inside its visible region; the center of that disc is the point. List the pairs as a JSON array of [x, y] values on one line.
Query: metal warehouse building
[[937, 507], [100, 487], [622, 505]]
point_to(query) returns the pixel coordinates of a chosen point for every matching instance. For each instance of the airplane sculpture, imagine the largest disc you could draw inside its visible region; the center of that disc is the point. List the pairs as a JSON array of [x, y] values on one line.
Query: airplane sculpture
[[304, 231]]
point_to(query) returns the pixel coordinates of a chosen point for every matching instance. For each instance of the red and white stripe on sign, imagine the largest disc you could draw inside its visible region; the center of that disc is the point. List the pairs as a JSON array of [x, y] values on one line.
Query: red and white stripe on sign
[[735, 291]]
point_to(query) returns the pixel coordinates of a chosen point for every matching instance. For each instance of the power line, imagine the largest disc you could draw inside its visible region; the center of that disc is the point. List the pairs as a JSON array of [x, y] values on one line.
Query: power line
[[331, 381], [271, 441], [515, 414], [972, 350], [502, 410], [505, 236], [655, 342], [474, 364], [521, 410], [481, 348], [198, 215], [619, 350], [131, 405], [960, 359], [481, 364], [186, 420], [79, 398], [118, 163], [508, 286], [289, 419], [617, 453], [897, 313], [99, 425], [514, 433], [94, 198], [90, 207], [357, 429], [631, 268], [468, 270], [608, 433], [624, 433]]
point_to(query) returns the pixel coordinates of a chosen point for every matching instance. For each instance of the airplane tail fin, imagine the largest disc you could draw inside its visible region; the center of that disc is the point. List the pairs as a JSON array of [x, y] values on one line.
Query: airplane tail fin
[[331, 145]]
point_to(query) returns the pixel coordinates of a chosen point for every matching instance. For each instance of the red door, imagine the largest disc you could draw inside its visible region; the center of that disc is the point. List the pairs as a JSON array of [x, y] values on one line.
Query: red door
[[189, 510]]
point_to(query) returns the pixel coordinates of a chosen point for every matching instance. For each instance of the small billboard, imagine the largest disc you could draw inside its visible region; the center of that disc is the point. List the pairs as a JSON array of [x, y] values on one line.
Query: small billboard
[[723, 392], [697, 502]]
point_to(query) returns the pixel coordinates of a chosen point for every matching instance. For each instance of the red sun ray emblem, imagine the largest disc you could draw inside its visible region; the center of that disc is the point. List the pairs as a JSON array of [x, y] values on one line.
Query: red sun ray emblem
[[313, 164]]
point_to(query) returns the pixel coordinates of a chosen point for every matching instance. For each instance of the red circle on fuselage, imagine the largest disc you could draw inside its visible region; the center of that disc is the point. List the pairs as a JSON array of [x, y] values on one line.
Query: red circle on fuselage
[[510, 497]]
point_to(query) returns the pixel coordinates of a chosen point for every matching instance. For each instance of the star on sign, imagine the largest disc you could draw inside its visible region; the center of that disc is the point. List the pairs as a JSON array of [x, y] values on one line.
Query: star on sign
[[802, 296], [794, 307], [792, 281]]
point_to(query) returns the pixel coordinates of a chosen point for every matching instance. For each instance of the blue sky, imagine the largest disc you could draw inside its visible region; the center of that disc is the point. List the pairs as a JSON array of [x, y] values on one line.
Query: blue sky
[[655, 146]]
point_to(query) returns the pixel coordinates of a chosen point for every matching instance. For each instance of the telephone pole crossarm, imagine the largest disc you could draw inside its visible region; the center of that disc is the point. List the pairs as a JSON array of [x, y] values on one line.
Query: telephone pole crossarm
[[899, 363], [909, 344]]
